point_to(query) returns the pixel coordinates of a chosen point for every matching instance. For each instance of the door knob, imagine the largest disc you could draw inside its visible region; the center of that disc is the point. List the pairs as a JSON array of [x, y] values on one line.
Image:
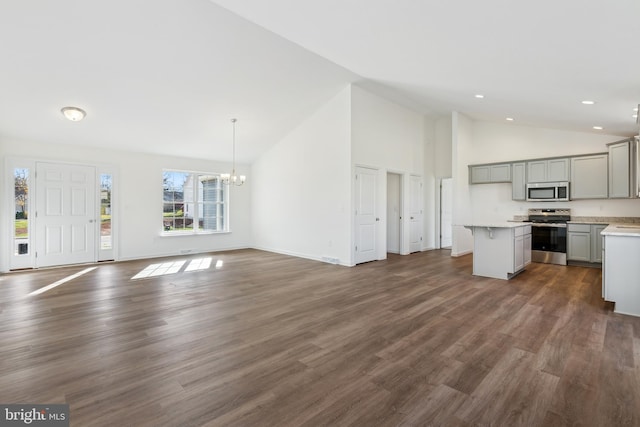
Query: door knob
[[377, 219]]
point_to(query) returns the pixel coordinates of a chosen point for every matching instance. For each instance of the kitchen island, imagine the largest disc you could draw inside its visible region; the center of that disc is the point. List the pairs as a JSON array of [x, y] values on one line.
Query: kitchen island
[[500, 249], [621, 267]]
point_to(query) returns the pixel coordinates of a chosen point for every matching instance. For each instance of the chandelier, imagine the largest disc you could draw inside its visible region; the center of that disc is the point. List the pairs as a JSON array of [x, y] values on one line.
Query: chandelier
[[232, 178]]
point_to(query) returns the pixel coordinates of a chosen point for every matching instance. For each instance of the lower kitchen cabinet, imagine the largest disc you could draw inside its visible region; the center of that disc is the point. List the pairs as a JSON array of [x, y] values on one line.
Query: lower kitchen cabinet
[[584, 243], [500, 250], [521, 248]]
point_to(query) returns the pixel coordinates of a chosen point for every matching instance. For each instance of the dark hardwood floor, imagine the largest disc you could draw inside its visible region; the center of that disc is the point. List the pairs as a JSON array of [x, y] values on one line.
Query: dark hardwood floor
[[271, 340]]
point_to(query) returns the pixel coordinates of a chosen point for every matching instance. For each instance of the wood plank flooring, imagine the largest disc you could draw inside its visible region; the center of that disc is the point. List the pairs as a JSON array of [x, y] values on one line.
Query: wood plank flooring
[[271, 340]]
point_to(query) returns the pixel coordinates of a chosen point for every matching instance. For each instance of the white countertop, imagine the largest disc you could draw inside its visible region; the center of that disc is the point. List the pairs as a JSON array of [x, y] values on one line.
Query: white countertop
[[631, 230], [499, 224]]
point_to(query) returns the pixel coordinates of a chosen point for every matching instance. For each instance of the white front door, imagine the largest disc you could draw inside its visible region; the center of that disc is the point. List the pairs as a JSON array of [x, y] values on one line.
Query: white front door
[[65, 214], [446, 213], [366, 220], [415, 214]]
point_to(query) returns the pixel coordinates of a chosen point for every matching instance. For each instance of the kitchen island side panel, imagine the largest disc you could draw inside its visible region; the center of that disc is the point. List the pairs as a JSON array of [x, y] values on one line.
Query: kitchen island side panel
[[493, 252], [622, 273]]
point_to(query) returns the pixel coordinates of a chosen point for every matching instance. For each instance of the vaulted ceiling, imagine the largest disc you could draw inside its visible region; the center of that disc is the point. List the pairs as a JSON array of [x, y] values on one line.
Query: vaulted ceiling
[[167, 76]]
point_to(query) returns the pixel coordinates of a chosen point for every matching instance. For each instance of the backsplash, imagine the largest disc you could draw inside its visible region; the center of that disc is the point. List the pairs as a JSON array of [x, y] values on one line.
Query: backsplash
[[593, 219], [607, 219]]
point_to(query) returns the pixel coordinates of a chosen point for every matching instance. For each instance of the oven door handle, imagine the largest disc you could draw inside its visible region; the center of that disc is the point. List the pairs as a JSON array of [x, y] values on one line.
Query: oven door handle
[[554, 225]]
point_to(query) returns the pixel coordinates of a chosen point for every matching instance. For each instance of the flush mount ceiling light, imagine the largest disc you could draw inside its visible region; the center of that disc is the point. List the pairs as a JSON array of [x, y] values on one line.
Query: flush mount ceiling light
[[588, 102], [479, 96], [74, 114], [232, 178], [598, 127], [509, 119]]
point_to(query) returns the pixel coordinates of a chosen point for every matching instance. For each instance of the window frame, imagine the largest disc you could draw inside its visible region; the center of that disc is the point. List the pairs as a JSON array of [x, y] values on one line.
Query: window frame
[[194, 177]]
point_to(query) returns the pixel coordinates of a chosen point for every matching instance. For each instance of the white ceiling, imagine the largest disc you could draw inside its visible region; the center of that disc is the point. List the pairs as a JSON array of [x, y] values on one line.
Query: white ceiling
[[166, 76], [161, 76], [534, 61]]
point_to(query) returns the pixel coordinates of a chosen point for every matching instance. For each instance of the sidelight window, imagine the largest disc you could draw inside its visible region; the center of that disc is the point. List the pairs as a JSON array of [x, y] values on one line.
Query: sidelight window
[[21, 219]]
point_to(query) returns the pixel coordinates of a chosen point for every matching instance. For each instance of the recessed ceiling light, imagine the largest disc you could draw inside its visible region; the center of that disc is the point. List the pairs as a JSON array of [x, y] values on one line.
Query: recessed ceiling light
[[509, 119], [635, 116], [635, 109], [479, 96], [598, 127], [74, 114], [588, 102]]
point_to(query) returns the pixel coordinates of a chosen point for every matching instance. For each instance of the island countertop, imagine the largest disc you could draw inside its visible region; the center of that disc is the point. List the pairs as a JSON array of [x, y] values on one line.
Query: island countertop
[[497, 224], [629, 230]]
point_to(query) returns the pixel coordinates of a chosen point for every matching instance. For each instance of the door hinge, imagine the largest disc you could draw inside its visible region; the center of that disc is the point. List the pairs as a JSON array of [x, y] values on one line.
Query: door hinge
[[356, 249], [421, 238], [356, 177]]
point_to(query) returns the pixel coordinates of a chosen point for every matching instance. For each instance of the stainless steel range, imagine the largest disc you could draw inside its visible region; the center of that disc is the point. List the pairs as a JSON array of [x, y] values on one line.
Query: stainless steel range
[[549, 235]]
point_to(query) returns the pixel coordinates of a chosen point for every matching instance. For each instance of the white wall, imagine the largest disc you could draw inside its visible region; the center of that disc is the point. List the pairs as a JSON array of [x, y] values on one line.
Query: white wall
[[431, 186], [438, 165], [388, 137], [443, 149], [462, 146], [301, 190], [138, 198], [394, 188]]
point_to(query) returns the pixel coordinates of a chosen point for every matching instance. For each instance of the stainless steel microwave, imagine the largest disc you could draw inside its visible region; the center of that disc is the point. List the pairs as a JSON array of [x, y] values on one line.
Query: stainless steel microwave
[[548, 191]]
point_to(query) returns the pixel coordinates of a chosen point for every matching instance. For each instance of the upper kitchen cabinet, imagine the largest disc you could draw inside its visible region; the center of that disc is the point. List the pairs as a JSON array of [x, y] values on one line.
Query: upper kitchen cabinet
[[551, 170], [519, 181], [484, 174], [589, 177], [622, 169]]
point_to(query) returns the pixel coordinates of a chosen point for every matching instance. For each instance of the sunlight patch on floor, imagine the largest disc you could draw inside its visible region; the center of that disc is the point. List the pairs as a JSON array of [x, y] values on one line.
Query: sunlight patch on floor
[[62, 281], [166, 268], [161, 269], [199, 264]]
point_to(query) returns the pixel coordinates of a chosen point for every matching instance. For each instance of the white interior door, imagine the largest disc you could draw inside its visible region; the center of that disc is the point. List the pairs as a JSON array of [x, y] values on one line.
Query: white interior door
[[415, 214], [446, 212], [65, 214], [366, 220], [394, 212]]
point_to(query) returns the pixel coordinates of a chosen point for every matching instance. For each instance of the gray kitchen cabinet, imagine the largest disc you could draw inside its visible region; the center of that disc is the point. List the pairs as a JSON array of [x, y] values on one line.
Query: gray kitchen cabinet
[[484, 174], [579, 242], [551, 170], [521, 248], [527, 246], [597, 240], [584, 242], [500, 250], [621, 169], [518, 181], [589, 177]]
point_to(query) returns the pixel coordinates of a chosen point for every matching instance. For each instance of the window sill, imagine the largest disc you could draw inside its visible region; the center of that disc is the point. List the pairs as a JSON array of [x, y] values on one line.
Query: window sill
[[201, 233]]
